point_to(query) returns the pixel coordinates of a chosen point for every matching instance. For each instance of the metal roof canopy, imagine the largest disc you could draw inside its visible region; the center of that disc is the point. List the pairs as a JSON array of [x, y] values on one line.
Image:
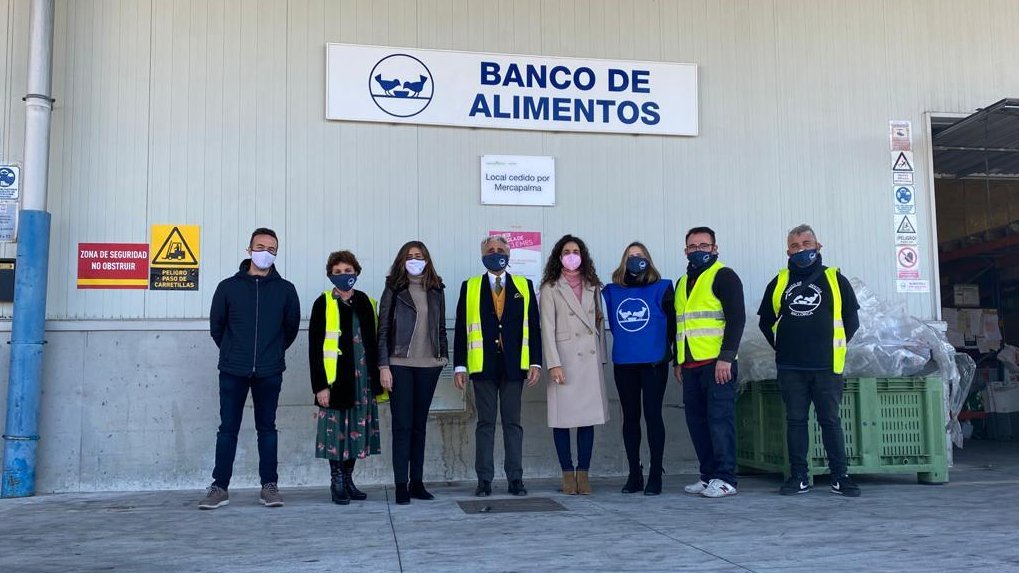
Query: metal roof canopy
[[986, 143]]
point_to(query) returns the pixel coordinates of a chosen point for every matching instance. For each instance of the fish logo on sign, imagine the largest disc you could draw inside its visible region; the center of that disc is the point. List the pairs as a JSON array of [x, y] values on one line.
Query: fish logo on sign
[[401, 85]]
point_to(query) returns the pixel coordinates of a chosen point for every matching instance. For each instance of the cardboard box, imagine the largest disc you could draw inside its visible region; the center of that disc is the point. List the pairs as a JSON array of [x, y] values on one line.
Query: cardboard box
[[976, 328], [1001, 398]]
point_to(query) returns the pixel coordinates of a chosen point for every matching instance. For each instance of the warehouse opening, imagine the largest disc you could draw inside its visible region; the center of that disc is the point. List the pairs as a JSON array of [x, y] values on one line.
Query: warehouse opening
[[976, 186]]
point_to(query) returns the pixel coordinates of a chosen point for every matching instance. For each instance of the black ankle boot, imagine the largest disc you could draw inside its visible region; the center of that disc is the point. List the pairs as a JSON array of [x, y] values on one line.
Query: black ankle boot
[[402, 495], [418, 491], [654, 481], [348, 482], [635, 481], [336, 486]]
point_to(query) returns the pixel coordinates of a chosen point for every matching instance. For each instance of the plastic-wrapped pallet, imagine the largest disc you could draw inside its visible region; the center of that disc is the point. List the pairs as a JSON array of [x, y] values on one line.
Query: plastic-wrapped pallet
[[889, 343], [756, 356]]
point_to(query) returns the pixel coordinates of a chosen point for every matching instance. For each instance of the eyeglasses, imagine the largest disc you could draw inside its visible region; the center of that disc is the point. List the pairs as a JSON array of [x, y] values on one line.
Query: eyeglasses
[[700, 247]]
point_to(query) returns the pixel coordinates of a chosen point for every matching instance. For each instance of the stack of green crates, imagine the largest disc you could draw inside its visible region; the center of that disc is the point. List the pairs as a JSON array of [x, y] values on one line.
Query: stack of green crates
[[892, 425]]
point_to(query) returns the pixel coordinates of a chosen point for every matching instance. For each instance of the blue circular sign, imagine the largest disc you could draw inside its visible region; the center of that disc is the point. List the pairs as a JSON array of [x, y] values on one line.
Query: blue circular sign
[[7, 177], [903, 195]]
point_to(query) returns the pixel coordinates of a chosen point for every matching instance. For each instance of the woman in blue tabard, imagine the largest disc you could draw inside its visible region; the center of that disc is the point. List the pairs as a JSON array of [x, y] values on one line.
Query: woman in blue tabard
[[639, 307]]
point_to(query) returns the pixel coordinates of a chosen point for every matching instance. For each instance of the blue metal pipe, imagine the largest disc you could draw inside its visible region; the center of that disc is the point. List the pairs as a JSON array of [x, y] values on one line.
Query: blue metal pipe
[[21, 433]]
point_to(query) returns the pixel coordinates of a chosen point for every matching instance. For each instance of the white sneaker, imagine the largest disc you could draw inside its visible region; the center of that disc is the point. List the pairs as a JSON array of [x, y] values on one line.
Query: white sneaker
[[696, 488], [719, 488]]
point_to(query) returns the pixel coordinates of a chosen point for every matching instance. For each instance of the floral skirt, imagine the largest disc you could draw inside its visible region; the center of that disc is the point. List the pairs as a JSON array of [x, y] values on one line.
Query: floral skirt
[[351, 434], [348, 434]]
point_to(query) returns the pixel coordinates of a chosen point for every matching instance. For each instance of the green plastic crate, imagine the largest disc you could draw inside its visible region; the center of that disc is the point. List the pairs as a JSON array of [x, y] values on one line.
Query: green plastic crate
[[891, 425]]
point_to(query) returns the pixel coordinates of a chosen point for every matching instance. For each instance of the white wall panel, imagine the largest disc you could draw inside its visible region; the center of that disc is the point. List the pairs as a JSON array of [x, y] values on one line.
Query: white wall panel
[[211, 113], [13, 63]]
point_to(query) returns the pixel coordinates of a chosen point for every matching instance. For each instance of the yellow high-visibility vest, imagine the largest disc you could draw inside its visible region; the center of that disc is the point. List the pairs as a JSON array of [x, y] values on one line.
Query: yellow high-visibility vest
[[475, 340], [839, 339], [331, 343], [700, 322]]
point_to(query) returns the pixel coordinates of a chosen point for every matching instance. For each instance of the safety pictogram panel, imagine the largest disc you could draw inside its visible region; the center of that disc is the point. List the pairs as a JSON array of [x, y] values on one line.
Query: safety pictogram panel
[[175, 257]]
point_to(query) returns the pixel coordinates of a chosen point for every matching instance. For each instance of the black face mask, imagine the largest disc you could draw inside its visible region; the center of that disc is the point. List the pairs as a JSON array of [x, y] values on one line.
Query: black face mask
[[343, 282], [495, 262], [699, 259], [804, 259], [636, 265]]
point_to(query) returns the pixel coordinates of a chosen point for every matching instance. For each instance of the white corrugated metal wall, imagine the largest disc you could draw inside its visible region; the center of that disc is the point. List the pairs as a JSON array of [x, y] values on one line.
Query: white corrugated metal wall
[[13, 75], [211, 113]]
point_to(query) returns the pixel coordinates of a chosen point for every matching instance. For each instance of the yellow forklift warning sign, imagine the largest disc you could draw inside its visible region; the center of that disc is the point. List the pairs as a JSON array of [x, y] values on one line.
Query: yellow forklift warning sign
[[175, 256]]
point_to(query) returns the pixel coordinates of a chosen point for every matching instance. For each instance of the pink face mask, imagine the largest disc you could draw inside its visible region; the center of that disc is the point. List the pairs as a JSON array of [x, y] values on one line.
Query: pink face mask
[[571, 261]]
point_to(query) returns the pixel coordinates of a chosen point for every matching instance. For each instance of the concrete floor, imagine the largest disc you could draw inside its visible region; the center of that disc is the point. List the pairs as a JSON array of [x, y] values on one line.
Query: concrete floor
[[897, 525]]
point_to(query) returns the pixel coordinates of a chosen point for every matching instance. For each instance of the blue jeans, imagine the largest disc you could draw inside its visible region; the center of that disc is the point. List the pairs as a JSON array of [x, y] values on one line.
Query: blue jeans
[[233, 393], [711, 419], [824, 388], [585, 445]]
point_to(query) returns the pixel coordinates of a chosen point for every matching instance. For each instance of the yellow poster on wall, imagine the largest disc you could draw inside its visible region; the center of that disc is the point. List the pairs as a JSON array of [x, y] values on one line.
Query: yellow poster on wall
[[175, 257]]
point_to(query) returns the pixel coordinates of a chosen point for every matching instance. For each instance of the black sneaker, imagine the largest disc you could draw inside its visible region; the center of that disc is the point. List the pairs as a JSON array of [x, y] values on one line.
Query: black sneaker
[[845, 486], [795, 485]]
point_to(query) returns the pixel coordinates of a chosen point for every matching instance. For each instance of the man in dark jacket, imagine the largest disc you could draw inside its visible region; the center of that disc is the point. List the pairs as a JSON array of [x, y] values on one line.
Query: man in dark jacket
[[254, 318], [497, 343], [809, 314]]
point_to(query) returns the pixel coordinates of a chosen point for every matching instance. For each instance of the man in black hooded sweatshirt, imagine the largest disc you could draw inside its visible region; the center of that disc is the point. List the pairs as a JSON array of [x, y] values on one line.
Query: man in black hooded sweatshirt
[[809, 314], [254, 318]]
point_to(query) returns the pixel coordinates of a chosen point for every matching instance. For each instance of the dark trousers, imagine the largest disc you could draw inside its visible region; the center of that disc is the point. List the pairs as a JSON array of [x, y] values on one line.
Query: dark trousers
[[642, 385], [585, 445], [409, 401], [501, 397], [824, 388], [711, 419], [233, 393]]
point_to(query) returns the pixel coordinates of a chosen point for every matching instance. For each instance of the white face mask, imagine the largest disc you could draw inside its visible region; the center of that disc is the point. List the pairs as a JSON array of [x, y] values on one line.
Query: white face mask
[[262, 259], [415, 266]]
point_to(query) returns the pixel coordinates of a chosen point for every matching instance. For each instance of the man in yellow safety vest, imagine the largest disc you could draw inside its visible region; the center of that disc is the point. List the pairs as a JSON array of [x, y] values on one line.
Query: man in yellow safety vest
[[497, 343], [710, 316], [809, 314]]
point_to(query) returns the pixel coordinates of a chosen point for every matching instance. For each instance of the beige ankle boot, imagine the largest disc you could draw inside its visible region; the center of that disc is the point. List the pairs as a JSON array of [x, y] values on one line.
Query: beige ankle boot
[[583, 485], [569, 483]]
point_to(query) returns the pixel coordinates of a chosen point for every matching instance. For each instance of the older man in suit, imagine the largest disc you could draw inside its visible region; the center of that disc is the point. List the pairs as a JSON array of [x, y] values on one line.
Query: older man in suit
[[497, 344]]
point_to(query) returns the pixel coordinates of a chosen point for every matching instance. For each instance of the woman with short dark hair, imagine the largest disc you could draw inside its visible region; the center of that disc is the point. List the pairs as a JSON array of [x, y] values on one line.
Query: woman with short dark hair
[[343, 360], [412, 353], [639, 305]]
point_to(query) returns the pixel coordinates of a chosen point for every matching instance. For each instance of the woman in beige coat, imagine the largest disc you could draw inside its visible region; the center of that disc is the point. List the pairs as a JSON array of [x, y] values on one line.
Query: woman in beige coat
[[571, 336]]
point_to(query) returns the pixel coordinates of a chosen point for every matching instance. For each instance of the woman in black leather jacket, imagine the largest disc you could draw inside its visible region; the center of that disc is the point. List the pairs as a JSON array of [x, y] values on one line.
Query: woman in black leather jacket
[[412, 352]]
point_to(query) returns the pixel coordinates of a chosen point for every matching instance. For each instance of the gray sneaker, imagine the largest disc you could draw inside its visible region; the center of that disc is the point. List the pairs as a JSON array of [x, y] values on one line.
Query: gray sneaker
[[270, 496], [215, 497]]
